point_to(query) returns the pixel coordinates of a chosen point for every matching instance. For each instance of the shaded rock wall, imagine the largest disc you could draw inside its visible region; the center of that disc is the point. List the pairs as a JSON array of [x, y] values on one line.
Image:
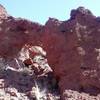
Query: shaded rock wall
[[72, 47]]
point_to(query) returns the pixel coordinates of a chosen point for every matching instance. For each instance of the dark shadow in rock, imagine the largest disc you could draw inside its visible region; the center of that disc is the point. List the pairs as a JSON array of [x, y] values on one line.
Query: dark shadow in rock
[[21, 81], [49, 82], [90, 90], [24, 82]]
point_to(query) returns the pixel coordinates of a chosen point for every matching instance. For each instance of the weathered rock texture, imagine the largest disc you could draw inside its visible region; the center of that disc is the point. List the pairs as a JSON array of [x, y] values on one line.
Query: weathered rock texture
[[72, 47]]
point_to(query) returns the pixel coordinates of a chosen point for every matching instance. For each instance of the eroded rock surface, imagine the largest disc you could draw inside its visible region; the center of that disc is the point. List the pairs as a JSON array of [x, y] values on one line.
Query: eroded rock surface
[[72, 48]]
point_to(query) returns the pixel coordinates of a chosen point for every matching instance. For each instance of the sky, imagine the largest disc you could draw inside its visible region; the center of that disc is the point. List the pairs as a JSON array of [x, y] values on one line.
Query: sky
[[40, 10]]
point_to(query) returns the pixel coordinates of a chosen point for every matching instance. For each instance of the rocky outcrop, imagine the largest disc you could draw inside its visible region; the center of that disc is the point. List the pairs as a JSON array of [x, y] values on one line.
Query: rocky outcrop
[[72, 47]]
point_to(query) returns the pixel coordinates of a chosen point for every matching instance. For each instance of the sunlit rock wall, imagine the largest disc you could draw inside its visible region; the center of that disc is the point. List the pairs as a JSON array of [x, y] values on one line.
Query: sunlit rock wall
[[72, 47]]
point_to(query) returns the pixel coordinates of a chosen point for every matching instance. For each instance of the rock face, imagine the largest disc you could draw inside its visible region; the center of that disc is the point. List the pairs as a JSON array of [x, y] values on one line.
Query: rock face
[[3, 12], [72, 47]]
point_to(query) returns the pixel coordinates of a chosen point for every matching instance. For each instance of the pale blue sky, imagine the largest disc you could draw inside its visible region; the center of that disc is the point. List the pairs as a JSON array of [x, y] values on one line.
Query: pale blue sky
[[41, 10]]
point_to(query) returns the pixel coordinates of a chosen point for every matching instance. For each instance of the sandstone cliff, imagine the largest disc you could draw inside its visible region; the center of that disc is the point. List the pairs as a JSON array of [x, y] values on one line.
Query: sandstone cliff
[[72, 50]]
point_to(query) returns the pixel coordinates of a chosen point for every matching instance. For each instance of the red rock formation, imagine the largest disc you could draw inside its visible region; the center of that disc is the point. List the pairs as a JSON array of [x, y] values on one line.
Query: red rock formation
[[72, 47]]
